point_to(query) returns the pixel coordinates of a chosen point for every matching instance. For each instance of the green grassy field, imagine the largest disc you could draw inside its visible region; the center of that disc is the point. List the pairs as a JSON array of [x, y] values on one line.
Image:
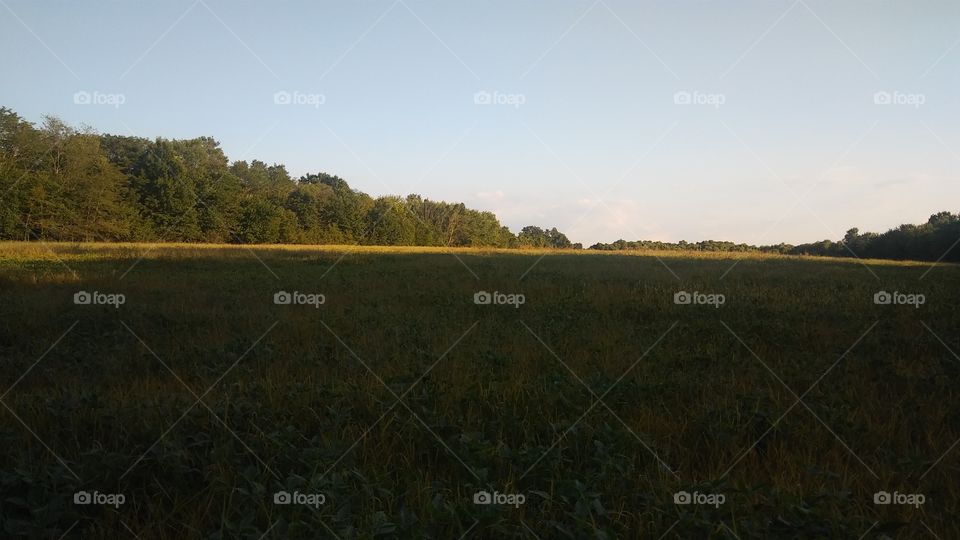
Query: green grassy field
[[589, 410]]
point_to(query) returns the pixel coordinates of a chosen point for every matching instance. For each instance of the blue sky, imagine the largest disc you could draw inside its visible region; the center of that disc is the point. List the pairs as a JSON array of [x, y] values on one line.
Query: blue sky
[[749, 121]]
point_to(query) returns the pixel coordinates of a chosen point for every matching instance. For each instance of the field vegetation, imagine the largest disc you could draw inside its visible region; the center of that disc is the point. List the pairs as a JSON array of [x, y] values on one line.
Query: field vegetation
[[599, 398]]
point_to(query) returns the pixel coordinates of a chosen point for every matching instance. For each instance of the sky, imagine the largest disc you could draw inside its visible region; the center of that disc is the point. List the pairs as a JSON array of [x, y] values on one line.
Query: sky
[[752, 121]]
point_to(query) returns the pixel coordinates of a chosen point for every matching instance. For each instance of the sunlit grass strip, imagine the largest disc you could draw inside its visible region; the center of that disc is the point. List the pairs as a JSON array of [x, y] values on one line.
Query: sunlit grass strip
[[19, 251]]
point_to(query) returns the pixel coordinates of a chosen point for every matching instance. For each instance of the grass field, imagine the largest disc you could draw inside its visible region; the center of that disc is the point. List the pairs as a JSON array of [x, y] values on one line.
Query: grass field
[[588, 411]]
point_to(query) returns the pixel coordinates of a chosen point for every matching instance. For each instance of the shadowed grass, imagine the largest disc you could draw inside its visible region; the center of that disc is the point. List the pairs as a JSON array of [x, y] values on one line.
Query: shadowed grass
[[304, 399]]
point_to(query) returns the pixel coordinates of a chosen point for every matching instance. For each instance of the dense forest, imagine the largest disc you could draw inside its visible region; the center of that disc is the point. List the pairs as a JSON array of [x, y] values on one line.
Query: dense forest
[[934, 240], [60, 183]]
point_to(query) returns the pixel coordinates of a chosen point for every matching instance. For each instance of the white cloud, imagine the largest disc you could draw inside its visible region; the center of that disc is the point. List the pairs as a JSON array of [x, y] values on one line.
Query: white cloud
[[490, 195]]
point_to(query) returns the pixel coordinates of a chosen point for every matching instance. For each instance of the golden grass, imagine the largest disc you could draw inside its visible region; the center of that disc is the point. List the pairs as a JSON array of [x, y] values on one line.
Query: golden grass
[[11, 250]]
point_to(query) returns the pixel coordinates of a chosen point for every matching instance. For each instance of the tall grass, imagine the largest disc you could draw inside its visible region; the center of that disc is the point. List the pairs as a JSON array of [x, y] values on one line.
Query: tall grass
[[693, 398]]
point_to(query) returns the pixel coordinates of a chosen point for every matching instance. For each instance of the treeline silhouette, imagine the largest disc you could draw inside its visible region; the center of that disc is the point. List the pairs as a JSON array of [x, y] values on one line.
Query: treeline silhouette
[[60, 183], [683, 245], [934, 240]]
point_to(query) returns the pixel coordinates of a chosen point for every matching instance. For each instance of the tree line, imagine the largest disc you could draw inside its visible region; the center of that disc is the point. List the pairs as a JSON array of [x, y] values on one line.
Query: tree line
[[934, 240], [63, 184], [683, 245]]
